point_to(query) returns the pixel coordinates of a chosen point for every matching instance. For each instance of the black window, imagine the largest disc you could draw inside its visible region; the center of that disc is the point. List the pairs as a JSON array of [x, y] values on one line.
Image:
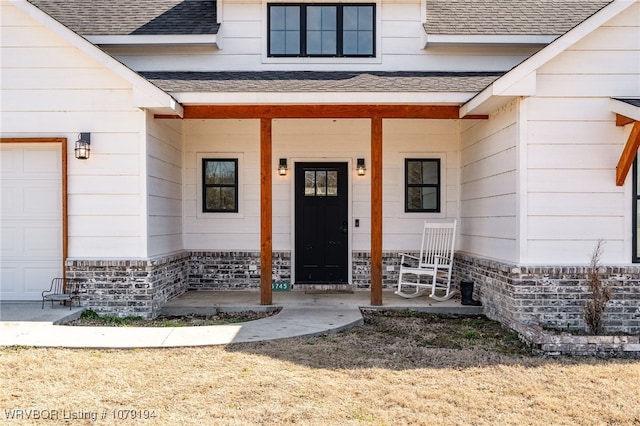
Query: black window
[[219, 185], [331, 30], [636, 211], [422, 185]]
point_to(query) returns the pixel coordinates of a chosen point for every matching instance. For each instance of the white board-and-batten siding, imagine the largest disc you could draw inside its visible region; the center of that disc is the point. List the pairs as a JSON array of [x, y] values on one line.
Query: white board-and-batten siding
[[400, 37], [52, 89]]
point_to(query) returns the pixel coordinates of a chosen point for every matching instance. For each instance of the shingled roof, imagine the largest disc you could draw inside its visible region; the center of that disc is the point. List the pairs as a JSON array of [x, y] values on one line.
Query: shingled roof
[[634, 102], [507, 17], [133, 17], [314, 81]]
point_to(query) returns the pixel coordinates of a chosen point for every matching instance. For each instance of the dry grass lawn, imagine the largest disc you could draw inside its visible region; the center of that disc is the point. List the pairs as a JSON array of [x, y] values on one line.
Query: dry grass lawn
[[413, 370]]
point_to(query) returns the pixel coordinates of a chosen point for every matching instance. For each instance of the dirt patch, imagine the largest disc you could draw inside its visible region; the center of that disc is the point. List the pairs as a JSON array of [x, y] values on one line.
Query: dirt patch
[[91, 319], [398, 368]]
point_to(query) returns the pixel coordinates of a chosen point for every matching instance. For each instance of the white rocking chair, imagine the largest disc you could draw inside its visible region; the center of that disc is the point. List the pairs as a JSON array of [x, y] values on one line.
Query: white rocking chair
[[435, 263]]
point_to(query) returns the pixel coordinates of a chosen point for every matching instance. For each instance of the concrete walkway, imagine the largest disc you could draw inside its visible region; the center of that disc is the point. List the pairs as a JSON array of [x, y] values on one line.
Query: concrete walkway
[[302, 315]]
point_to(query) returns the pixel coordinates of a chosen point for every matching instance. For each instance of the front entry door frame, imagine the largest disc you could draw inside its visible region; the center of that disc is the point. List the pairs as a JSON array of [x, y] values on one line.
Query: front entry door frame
[[349, 162]]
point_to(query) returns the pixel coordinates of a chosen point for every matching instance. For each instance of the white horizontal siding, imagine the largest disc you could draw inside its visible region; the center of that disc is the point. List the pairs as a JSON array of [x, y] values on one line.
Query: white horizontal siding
[[51, 89], [416, 139], [164, 160], [489, 186], [301, 140], [574, 147], [399, 46], [228, 139]]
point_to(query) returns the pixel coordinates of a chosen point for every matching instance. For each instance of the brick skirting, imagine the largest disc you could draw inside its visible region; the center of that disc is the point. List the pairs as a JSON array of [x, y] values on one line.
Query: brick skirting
[[548, 297], [552, 297]]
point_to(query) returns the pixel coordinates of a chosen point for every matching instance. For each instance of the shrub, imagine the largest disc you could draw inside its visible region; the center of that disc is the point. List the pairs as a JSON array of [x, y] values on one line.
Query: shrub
[[600, 292]]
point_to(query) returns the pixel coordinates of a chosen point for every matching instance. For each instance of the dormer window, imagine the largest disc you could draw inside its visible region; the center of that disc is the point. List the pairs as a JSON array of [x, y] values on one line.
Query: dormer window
[[321, 30]]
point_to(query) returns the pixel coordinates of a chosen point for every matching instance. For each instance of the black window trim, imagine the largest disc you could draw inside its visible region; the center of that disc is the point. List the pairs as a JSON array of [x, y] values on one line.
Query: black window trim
[[303, 31], [407, 185], [635, 256], [205, 186]]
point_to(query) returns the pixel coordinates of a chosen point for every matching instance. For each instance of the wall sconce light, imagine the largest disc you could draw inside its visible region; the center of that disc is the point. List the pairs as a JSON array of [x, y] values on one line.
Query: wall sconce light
[[83, 146], [282, 168], [362, 170]]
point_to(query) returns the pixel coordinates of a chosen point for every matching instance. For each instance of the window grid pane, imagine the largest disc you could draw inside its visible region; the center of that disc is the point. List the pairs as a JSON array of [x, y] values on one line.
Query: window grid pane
[[320, 33], [422, 185], [321, 183], [284, 30], [357, 30], [220, 185]]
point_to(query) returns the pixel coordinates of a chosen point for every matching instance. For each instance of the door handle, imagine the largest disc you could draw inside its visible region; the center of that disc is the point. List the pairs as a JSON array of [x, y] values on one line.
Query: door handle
[[344, 229]]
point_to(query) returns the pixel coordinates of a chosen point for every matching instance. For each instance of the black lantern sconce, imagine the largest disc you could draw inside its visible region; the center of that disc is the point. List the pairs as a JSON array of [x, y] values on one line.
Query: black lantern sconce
[[83, 146], [282, 167], [362, 170]]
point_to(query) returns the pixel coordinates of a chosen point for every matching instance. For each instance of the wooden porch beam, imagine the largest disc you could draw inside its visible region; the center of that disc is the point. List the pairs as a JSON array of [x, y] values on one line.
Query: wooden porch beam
[[376, 211], [322, 111], [628, 154], [622, 120], [266, 208]]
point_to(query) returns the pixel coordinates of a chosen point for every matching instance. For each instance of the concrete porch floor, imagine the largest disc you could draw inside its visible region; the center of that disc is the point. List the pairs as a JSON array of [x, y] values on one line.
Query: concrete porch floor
[[210, 302]]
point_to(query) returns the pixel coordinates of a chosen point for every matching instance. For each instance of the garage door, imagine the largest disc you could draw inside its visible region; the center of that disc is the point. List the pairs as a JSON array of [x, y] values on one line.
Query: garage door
[[31, 219]]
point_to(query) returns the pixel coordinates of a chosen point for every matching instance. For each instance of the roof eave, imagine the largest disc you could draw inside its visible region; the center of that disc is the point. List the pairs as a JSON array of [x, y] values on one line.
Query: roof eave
[[319, 98], [626, 109], [487, 40], [182, 40]]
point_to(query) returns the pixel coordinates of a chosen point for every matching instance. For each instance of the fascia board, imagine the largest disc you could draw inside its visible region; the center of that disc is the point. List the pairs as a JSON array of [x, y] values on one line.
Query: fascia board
[[154, 40], [625, 109], [252, 98], [158, 98], [489, 40]]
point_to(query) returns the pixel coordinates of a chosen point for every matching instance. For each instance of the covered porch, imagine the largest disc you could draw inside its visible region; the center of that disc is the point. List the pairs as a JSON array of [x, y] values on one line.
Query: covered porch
[[376, 116]]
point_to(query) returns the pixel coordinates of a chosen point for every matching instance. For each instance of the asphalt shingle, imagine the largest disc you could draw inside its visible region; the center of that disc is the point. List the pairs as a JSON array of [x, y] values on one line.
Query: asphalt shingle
[[508, 17], [630, 101], [133, 17], [314, 81]]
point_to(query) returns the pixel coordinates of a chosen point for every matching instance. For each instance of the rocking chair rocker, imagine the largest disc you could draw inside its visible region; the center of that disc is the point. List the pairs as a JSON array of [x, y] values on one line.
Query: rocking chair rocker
[[435, 263]]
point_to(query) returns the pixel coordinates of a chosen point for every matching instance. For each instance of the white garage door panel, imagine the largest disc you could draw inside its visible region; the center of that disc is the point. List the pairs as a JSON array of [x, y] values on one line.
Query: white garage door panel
[[42, 241], [31, 221], [34, 198]]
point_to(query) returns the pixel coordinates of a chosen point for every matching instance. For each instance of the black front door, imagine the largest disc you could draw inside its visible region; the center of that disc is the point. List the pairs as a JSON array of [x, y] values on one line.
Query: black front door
[[321, 223]]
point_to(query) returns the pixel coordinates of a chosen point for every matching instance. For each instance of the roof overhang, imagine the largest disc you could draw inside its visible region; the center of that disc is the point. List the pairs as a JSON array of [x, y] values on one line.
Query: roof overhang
[[145, 94], [321, 98], [487, 40], [625, 109], [333, 111], [190, 40]]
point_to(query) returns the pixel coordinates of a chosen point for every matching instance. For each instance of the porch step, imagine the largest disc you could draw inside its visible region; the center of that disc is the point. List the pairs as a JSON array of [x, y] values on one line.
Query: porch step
[[324, 288], [328, 292]]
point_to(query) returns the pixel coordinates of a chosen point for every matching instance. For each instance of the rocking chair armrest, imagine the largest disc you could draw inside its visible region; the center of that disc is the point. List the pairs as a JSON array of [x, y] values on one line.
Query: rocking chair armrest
[[408, 255]]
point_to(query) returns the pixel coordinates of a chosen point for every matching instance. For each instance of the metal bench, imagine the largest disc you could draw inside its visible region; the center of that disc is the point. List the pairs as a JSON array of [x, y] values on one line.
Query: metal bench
[[62, 290]]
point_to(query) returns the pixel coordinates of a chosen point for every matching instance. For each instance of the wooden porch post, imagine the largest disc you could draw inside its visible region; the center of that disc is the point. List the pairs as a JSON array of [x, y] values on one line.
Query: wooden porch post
[[266, 203], [376, 211]]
